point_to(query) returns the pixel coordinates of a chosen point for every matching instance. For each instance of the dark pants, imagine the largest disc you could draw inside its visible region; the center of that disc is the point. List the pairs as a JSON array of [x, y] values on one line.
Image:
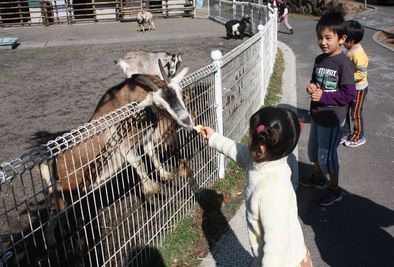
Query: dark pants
[[355, 113]]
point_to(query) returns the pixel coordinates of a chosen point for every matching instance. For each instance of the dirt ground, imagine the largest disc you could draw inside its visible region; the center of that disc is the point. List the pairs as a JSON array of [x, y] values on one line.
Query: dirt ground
[[55, 89], [387, 37]]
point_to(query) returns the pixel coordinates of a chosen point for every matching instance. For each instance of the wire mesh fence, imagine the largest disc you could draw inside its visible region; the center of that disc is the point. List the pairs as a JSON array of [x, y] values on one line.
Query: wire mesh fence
[[225, 10], [86, 197]]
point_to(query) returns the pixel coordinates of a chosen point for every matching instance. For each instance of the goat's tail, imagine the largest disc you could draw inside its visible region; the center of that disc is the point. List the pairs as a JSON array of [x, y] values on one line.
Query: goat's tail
[[46, 174]]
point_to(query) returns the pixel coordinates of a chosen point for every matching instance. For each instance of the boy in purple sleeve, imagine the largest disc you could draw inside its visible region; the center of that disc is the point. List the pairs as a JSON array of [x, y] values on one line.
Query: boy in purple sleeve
[[331, 89]]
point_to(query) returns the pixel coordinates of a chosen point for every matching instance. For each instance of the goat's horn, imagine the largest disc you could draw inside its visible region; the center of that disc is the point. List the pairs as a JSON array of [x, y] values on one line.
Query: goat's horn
[[163, 73]]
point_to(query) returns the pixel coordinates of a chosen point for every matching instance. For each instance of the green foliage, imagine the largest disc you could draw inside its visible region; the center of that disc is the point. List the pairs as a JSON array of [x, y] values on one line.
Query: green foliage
[[275, 85], [175, 243], [234, 179]]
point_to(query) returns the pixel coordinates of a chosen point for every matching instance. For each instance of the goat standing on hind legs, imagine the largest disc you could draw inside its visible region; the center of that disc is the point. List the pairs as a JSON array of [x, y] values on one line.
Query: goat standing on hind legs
[[99, 158]]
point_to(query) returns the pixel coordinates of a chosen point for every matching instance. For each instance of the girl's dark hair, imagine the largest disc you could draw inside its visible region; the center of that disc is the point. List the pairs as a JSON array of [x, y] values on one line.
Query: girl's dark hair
[[332, 20], [280, 135], [354, 31]]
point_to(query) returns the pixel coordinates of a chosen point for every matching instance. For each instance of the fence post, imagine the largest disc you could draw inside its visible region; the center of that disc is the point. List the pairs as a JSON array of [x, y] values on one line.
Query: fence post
[[252, 17], [234, 9], [260, 28], [216, 56], [273, 29], [220, 8]]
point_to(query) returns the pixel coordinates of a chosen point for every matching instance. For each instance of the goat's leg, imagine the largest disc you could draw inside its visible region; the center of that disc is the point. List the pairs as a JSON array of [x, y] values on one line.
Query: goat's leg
[[149, 187], [165, 176], [185, 170], [153, 26]]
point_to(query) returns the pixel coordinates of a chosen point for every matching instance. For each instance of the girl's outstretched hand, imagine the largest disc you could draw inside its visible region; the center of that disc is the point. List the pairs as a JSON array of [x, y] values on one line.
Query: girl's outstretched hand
[[206, 132]]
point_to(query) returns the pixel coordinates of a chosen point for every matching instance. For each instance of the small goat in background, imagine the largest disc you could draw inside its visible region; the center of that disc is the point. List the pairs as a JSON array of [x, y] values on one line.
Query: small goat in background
[[145, 17], [236, 28]]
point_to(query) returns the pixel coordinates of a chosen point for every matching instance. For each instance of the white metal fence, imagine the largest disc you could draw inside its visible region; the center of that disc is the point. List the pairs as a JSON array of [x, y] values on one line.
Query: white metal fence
[[111, 222]]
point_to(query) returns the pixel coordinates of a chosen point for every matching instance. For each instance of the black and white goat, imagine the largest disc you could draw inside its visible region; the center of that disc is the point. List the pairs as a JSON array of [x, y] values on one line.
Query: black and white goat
[[236, 28]]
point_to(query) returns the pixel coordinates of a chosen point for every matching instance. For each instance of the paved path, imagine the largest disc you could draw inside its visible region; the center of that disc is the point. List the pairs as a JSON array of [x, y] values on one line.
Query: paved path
[[233, 249], [360, 230]]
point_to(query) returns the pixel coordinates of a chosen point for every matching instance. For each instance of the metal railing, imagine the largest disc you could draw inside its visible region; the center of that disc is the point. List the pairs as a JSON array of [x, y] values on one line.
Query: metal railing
[[108, 220]]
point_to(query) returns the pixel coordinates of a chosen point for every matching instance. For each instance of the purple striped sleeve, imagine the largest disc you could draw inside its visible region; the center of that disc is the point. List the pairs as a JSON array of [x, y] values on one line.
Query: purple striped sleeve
[[344, 95]]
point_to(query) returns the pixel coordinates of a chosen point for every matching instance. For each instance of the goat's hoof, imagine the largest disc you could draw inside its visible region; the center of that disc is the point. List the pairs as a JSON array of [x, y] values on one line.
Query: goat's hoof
[[166, 176], [150, 188]]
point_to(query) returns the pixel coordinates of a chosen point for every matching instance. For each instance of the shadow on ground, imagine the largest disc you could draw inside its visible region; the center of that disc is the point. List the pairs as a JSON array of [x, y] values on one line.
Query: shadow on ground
[[214, 225], [351, 232]]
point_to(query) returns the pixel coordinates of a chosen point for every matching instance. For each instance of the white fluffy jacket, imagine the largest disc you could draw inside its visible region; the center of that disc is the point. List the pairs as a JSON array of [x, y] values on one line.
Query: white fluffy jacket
[[274, 230]]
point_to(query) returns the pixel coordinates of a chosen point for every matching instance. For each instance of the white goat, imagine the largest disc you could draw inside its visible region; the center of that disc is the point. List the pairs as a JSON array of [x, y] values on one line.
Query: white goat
[[145, 17], [143, 62]]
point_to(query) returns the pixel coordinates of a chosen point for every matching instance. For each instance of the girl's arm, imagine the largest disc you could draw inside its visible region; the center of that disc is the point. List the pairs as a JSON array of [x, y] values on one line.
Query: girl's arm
[[235, 151], [274, 216]]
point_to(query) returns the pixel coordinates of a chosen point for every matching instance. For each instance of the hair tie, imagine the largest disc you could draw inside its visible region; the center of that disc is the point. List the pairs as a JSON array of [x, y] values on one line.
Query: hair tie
[[260, 129]]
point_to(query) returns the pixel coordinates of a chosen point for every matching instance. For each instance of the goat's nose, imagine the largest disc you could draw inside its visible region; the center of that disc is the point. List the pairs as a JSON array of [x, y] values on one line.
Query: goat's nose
[[187, 121]]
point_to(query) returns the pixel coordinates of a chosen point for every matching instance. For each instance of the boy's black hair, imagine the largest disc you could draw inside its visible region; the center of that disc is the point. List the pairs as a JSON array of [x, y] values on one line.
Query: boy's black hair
[[332, 20], [354, 31], [281, 134]]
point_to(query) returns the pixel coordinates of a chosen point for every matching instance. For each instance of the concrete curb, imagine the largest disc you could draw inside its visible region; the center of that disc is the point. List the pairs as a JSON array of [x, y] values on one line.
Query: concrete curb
[[375, 38], [289, 100], [233, 248]]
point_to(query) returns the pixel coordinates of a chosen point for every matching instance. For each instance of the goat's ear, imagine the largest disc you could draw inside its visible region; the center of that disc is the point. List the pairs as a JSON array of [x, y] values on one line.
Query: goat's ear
[[180, 75], [180, 57], [163, 73]]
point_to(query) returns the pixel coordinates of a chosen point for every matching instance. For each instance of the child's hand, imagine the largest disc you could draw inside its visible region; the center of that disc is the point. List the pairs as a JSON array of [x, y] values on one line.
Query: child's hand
[[206, 132], [311, 88], [316, 95]]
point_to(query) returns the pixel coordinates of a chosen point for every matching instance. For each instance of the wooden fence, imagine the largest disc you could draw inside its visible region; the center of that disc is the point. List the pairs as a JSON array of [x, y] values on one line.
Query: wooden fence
[[48, 12]]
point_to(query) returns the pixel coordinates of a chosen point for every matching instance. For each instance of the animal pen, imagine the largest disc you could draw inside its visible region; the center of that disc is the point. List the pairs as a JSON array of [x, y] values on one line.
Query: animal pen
[[48, 12], [111, 222]]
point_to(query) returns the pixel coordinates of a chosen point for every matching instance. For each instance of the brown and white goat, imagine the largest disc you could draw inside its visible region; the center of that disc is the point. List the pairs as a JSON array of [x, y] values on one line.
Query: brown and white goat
[[105, 154]]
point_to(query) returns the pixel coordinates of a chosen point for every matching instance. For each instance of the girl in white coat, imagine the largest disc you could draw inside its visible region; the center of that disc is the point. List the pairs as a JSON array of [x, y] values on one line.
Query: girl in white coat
[[274, 230]]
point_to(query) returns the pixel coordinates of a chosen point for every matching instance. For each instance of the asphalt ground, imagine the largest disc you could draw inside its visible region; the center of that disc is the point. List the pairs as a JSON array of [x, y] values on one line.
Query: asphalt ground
[[359, 231]]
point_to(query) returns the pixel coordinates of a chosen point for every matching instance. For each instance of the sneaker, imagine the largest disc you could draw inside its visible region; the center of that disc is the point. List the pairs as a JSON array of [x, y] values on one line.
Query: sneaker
[[343, 139], [357, 143], [330, 197], [313, 181]]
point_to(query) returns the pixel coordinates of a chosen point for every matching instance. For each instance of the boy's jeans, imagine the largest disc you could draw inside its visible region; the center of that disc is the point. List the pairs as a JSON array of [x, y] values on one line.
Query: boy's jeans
[[323, 145]]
